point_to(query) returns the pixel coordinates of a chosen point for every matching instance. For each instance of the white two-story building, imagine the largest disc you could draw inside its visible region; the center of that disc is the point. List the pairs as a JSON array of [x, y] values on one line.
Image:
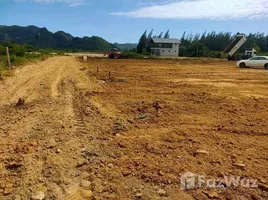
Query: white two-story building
[[165, 47]]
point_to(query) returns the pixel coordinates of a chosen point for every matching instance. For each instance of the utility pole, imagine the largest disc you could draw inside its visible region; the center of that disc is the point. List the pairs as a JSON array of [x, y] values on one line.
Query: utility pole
[[8, 58]]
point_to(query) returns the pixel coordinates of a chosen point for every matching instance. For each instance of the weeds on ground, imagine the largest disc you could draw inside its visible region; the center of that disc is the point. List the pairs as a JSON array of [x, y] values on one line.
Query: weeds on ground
[[134, 55], [3, 68], [18, 61]]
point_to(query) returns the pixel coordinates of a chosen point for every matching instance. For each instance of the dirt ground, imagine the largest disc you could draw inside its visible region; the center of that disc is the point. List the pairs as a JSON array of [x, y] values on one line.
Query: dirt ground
[[81, 134]]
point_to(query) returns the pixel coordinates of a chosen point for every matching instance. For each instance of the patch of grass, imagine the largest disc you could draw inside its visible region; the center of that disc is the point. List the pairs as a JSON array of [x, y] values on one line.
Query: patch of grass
[[120, 125], [3, 68], [18, 61], [22, 54], [135, 55]]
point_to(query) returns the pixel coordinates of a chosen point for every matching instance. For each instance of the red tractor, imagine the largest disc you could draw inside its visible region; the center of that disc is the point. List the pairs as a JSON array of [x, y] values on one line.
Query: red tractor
[[114, 54]]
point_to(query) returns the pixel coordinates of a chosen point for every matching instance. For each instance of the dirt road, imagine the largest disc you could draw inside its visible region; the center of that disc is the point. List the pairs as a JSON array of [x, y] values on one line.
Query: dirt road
[[79, 134]]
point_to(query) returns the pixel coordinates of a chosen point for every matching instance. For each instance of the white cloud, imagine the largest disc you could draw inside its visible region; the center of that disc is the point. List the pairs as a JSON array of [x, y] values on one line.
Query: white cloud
[[203, 9]]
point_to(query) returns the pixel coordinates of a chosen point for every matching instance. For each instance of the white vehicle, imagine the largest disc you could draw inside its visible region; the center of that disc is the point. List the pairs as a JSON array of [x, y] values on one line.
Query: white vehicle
[[257, 61]]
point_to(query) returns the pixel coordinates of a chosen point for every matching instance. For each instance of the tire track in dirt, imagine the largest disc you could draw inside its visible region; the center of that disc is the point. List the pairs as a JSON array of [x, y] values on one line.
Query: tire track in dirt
[[52, 132], [80, 139], [54, 86], [81, 127]]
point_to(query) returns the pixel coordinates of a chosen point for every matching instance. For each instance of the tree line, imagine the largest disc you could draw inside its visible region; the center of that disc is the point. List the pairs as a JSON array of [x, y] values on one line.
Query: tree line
[[208, 44], [144, 42]]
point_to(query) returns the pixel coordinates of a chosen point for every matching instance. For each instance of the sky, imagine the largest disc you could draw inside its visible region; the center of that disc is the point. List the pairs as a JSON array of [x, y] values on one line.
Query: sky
[[124, 21]]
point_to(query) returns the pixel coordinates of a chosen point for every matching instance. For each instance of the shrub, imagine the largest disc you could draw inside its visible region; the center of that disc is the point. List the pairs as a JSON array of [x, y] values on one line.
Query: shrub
[[129, 54]]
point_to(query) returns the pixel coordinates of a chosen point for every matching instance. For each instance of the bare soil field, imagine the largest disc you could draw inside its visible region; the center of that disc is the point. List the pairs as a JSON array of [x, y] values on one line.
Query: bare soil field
[[77, 133]]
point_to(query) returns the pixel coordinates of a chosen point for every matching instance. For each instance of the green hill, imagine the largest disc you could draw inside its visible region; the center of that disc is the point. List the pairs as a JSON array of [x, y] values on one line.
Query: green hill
[[126, 46], [42, 38]]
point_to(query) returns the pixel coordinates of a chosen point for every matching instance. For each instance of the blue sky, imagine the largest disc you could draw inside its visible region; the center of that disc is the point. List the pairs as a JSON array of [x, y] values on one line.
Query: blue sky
[[125, 20]]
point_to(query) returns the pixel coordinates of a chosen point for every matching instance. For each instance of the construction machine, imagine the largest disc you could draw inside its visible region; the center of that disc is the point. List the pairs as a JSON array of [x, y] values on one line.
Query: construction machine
[[235, 45], [114, 54]]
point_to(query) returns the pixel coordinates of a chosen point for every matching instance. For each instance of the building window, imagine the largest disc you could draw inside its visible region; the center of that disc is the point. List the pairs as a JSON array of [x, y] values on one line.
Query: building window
[[169, 51], [163, 51], [164, 45]]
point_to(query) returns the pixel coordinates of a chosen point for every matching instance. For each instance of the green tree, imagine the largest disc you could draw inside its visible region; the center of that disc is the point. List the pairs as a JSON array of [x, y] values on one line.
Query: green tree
[[149, 38], [160, 35], [256, 47], [142, 43], [2, 50], [197, 49], [150, 35], [167, 34]]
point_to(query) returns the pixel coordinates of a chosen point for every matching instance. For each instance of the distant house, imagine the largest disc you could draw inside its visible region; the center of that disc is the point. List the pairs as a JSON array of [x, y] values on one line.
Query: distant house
[[165, 47]]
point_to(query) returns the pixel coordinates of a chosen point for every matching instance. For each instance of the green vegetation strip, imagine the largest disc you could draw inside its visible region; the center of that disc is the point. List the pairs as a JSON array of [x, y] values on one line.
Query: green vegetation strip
[[19, 55]]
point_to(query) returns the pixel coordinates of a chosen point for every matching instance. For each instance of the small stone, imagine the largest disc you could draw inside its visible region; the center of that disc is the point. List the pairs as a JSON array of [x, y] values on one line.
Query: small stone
[[40, 179], [161, 173], [262, 181], [233, 156], [139, 195], [57, 191], [85, 175], [263, 186], [111, 196], [221, 174], [58, 151], [162, 193], [240, 165], [14, 165], [99, 176], [126, 172], [20, 102], [201, 152], [17, 197], [99, 188], [52, 143], [8, 190], [81, 162], [110, 165], [87, 193], [38, 196], [85, 184]]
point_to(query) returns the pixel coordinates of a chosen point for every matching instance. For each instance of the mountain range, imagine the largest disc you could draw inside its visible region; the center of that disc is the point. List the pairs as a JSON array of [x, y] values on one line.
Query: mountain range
[[126, 46], [43, 38]]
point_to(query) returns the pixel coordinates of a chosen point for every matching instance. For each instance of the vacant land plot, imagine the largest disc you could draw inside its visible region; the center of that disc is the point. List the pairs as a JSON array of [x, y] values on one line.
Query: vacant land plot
[[130, 129]]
